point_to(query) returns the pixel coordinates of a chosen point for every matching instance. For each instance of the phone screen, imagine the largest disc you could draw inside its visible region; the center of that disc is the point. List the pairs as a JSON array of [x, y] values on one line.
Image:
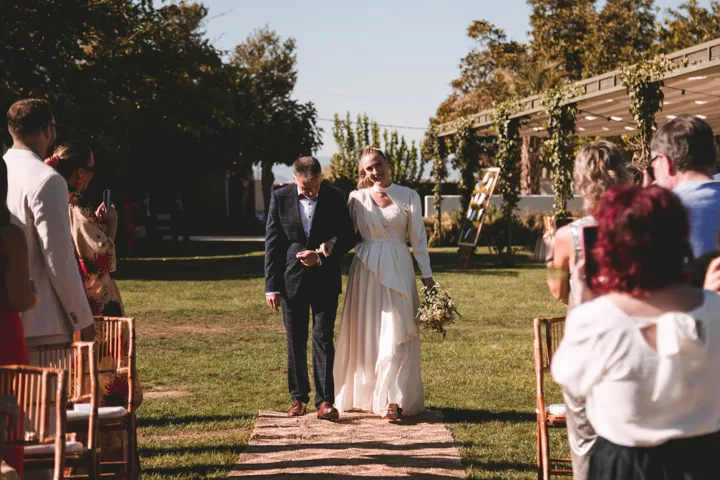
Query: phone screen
[[589, 241]]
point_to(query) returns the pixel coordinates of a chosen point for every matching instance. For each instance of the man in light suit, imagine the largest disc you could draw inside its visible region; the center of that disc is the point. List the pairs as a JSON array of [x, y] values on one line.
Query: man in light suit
[[38, 203]]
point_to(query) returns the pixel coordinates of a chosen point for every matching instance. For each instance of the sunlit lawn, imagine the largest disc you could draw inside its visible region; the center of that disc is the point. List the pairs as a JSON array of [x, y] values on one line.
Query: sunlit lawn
[[214, 354]]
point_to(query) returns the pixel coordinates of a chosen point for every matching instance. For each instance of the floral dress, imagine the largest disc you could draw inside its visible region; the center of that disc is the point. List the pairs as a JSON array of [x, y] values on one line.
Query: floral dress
[[95, 254]]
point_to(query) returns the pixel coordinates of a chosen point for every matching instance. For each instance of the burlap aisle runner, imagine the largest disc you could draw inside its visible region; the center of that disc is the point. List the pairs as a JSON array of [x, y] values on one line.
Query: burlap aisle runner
[[359, 445]]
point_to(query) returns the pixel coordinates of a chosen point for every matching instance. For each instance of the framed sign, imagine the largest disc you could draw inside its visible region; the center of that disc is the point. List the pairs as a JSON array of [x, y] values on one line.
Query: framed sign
[[479, 202]]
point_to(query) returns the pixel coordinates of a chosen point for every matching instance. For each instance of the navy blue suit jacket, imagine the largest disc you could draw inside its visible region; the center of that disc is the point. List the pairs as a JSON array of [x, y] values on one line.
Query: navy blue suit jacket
[[285, 238]]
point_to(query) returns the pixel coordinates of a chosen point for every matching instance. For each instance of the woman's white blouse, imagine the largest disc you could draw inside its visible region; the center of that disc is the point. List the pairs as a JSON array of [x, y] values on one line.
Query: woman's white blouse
[[636, 395]]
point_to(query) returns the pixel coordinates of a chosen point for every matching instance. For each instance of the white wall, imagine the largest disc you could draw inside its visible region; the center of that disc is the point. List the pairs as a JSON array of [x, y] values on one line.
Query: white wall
[[528, 203]]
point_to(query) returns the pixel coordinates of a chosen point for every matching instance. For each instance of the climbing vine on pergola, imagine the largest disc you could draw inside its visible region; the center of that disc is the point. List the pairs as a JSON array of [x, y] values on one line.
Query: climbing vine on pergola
[[466, 158], [507, 157], [558, 146], [433, 148], [644, 84]]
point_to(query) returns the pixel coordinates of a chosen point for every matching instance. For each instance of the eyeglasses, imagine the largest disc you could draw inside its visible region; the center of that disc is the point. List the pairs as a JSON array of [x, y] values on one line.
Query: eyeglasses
[[650, 169]]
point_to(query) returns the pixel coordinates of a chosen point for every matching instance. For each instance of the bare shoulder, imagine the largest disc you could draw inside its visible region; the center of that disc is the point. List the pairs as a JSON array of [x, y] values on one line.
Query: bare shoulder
[[563, 237]]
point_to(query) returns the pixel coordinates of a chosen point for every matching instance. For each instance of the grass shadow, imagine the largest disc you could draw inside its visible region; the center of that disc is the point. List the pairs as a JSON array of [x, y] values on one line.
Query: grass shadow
[[453, 415], [190, 420]]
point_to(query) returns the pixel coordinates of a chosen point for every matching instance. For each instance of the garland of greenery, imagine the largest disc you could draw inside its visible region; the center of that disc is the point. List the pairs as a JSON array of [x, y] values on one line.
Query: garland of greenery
[[558, 146], [508, 154], [466, 158], [643, 82], [434, 149]]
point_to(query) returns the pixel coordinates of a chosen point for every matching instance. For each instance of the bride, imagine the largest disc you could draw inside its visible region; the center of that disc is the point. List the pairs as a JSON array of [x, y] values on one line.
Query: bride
[[377, 366]]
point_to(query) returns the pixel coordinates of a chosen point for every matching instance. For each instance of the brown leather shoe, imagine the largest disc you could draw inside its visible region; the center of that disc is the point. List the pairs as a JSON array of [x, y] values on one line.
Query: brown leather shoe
[[297, 409], [327, 412]]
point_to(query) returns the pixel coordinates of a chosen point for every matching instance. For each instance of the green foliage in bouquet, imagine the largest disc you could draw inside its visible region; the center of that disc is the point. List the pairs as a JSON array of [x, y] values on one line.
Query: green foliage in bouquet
[[437, 310]]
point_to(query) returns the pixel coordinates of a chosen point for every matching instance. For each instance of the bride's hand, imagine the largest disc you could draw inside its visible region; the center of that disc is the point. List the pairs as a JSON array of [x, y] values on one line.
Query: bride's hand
[[428, 282]]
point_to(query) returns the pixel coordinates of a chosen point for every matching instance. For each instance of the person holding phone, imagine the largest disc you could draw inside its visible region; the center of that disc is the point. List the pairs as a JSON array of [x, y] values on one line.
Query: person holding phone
[[644, 354], [598, 167], [93, 230]]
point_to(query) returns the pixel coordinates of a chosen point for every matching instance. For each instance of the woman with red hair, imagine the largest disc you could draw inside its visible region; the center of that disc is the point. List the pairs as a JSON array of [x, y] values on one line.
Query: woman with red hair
[[644, 354]]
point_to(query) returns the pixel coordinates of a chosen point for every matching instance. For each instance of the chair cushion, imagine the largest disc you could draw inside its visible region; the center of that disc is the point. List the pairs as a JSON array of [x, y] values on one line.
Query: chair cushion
[[557, 409], [82, 413], [49, 449]]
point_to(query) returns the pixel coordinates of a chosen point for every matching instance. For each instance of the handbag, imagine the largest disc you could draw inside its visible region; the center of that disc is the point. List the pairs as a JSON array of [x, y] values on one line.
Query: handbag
[[545, 244]]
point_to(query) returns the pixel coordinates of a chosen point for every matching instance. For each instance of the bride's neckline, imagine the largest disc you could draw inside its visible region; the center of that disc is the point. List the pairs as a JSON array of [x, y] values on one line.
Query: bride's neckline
[[377, 188]]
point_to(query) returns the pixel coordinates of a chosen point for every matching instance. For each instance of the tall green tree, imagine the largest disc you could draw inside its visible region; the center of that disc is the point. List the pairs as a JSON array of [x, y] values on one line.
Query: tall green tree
[[562, 31], [623, 34], [689, 25], [405, 159], [282, 129]]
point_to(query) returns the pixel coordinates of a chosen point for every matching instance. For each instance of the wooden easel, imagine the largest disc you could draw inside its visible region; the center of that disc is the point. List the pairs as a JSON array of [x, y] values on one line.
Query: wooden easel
[[480, 200], [464, 258]]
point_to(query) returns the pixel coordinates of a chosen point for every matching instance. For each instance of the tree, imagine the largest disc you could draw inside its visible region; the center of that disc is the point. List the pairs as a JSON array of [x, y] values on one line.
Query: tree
[[282, 129], [623, 34], [405, 161], [562, 31], [689, 25]]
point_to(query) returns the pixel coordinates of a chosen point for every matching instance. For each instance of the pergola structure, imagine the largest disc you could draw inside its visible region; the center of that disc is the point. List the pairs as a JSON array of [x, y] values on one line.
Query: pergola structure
[[693, 87]]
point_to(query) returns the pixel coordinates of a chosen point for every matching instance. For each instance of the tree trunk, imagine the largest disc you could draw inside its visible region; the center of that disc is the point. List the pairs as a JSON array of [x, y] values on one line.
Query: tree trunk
[[268, 179], [530, 166]]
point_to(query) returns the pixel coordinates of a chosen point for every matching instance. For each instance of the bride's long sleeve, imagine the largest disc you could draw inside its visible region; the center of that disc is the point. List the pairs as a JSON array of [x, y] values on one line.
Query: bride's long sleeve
[[418, 235]]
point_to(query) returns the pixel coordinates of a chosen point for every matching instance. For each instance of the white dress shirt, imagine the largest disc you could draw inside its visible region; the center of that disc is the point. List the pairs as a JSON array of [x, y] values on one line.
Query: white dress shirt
[[307, 212], [38, 203], [636, 395]]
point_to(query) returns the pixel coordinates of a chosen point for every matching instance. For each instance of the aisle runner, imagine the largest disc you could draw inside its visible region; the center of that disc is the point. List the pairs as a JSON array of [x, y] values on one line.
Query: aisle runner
[[357, 445]]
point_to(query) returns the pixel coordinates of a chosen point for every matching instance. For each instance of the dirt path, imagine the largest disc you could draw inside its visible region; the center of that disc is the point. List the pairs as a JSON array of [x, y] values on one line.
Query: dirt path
[[359, 445]]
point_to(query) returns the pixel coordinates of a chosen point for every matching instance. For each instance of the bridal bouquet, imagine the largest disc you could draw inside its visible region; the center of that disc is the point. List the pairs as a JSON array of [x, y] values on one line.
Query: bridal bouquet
[[437, 310]]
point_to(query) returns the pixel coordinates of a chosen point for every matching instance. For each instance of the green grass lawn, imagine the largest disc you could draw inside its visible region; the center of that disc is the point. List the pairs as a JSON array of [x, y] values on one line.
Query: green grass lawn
[[211, 354]]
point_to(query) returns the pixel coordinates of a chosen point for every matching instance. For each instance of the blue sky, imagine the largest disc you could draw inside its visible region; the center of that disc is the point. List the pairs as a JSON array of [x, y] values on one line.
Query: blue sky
[[393, 59]]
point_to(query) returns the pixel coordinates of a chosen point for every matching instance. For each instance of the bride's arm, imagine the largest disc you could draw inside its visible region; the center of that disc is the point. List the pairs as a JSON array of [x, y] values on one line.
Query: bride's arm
[[418, 237]]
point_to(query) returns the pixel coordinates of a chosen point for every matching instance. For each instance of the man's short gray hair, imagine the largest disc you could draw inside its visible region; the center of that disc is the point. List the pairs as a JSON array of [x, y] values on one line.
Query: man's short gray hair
[[307, 167]]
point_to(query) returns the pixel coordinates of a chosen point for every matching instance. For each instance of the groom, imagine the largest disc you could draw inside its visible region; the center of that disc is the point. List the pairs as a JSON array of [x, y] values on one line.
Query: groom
[[308, 232]]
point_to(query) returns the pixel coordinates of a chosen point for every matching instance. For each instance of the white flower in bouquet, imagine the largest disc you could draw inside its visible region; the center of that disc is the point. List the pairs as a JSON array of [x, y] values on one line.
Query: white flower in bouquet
[[437, 310]]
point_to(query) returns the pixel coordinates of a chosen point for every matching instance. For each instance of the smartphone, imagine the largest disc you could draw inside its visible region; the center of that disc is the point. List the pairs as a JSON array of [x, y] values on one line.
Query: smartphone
[[591, 263], [106, 199]]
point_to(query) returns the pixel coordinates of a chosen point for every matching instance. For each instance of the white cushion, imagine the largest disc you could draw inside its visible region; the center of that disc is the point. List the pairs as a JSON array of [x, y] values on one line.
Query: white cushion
[[82, 413], [49, 449], [557, 409]]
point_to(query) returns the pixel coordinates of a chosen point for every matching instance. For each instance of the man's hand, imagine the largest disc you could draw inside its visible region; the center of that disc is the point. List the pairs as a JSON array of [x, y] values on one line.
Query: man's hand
[[273, 301], [327, 248], [309, 258], [712, 276]]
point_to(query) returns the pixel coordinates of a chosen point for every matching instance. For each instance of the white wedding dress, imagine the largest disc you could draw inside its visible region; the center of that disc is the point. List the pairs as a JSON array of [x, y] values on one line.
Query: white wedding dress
[[377, 358]]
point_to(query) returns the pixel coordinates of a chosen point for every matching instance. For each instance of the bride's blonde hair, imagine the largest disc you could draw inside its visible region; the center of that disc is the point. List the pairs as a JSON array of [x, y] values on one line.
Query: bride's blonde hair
[[364, 181]]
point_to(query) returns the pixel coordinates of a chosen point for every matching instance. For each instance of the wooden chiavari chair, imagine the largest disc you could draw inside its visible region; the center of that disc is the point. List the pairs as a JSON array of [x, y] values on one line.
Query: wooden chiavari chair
[[115, 339], [41, 394], [547, 332], [79, 360]]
